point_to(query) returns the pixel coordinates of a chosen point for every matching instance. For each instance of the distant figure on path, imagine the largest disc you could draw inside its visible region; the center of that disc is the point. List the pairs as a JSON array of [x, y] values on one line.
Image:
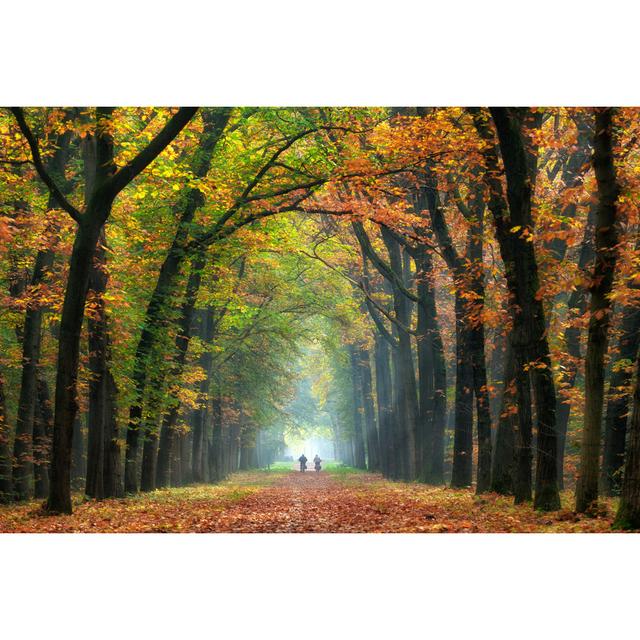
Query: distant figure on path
[[317, 462], [303, 462]]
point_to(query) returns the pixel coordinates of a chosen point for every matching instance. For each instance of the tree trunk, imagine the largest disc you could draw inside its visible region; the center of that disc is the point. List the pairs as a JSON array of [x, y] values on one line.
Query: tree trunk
[[97, 416], [576, 307], [426, 363], [42, 430], [371, 430], [66, 405], [462, 473], [6, 490], [166, 452], [23, 442], [24, 452], [476, 340], [606, 240], [503, 469], [112, 479], [628, 516], [358, 410], [201, 415], [407, 395], [384, 402], [521, 270], [619, 396]]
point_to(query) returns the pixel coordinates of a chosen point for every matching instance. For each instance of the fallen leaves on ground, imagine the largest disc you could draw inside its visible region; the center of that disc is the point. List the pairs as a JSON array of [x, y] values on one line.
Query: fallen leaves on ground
[[286, 502]]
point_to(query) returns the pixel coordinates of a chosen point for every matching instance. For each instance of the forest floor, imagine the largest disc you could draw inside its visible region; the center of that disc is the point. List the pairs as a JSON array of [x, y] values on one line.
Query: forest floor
[[282, 500]]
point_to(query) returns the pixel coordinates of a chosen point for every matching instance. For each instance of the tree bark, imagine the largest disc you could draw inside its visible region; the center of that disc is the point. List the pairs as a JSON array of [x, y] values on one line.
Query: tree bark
[[503, 467], [42, 430], [513, 228], [31, 338], [576, 307], [606, 241], [371, 429], [166, 452], [358, 410], [619, 397], [6, 489], [97, 416], [628, 515], [462, 472], [384, 402], [407, 395]]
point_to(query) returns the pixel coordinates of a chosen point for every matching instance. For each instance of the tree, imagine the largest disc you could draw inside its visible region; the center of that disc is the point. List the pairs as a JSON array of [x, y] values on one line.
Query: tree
[[606, 250], [108, 182], [513, 225]]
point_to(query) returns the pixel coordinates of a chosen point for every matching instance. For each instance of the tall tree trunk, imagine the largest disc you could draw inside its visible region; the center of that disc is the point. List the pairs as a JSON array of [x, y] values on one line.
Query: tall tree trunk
[[23, 441], [384, 402], [6, 490], [97, 416], [426, 363], [576, 307], [628, 516], [112, 474], [407, 394], [521, 270], [23, 452], [66, 405], [468, 278], [201, 414], [371, 430], [476, 340], [619, 396], [606, 240], [524, 434], [462, 472], [358, 410], [216, 457], [42, 430], [503, 468]]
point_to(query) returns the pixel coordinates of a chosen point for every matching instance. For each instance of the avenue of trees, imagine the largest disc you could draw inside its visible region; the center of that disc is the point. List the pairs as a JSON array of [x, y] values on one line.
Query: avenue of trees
[[461, 286]]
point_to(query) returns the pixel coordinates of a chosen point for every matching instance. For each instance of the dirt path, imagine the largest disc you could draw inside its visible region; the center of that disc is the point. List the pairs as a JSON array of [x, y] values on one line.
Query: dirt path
[[301, 503], [337, 501]]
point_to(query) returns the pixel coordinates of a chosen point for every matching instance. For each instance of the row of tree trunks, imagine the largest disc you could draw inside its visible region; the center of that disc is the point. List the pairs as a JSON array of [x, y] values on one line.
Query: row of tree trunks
[[471, 377], [214, 123], [406, 396], [529, 328], [167, 454], [23, 449]]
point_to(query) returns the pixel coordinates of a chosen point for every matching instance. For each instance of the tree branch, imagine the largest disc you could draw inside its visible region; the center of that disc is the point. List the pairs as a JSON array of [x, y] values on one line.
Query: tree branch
[[18, 113], [133, 168]]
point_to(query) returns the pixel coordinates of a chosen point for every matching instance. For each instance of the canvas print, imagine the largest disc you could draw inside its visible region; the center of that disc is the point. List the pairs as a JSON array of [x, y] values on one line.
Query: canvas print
[[319, 319]]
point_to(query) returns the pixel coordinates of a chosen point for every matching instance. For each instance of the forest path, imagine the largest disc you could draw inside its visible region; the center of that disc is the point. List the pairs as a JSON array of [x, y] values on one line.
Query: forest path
[[304, 503], [283, 500]]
